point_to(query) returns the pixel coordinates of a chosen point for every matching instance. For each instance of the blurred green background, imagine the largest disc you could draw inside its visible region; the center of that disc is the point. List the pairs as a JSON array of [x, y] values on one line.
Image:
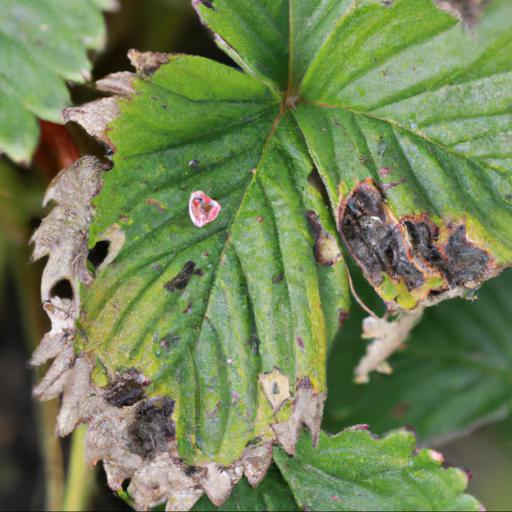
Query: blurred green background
[[28, 450]]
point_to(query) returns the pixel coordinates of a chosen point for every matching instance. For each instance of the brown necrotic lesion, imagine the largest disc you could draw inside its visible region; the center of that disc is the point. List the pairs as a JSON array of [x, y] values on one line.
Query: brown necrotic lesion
[[375, 239], [408, 249]]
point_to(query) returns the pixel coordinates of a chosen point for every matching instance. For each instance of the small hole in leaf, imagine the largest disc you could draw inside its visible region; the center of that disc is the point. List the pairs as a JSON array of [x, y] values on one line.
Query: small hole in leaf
[[98, 253], [62, 289], [34, 222]]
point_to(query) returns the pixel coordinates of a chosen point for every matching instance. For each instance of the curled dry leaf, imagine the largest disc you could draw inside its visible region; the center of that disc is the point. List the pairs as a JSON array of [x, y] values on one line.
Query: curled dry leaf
[[63, 234], [94, 117], [387, 337]]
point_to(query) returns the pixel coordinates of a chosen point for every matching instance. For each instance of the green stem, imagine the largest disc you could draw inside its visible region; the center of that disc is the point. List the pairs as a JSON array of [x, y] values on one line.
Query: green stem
[[80, 481]]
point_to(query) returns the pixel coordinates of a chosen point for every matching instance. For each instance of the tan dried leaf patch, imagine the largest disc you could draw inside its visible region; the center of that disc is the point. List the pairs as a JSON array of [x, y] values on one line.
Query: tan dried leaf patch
[[276, 387]]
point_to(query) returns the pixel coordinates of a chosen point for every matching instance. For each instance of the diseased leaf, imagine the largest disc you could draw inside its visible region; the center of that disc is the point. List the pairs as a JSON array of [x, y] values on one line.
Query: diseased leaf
[[272, 495], [202, 339], [218, 319], [356, 471], [423, 116], [42, 43], [453, 376], [209, 310]]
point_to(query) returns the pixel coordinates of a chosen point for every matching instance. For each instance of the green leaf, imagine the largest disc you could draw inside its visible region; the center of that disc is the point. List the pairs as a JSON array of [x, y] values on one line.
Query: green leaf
[[42, 43], [275, 40], [453, 376], [272, 495], [356, 471]]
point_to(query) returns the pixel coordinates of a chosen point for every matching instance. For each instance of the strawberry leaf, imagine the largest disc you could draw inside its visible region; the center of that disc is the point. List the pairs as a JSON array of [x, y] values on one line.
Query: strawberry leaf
[[355, 471]]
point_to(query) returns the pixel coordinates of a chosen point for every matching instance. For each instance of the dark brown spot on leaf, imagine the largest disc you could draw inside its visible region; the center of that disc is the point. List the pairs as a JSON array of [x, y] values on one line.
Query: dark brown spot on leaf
[[278, 278], [464, 262], [152, 427], [375, 240], [342, 316], [460, 261], [327, 252], [423, 234], [158, 204], [127, 389], [181, 280]]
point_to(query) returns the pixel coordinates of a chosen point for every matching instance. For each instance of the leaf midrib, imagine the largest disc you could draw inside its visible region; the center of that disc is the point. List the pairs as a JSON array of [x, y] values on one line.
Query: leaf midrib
[[215, 275]]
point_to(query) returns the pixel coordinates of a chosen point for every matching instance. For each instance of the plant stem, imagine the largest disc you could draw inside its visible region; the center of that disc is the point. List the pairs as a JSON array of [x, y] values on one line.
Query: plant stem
[[52, 454], [80, 481]]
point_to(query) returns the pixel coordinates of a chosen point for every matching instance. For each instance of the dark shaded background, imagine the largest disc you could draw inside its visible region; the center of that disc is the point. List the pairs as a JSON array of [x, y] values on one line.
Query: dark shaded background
[[158, 25]]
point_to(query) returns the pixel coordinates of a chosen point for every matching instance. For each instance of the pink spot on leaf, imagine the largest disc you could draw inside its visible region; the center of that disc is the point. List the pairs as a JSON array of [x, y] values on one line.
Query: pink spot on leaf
[[202, 208]]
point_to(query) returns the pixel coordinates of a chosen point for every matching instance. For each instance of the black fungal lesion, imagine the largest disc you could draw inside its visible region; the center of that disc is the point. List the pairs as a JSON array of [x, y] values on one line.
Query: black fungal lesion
[[464, 261], [376, 241], [127, 389], [460, 261], [424, 235], [181, 280], [152, 427], [409, 248]]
